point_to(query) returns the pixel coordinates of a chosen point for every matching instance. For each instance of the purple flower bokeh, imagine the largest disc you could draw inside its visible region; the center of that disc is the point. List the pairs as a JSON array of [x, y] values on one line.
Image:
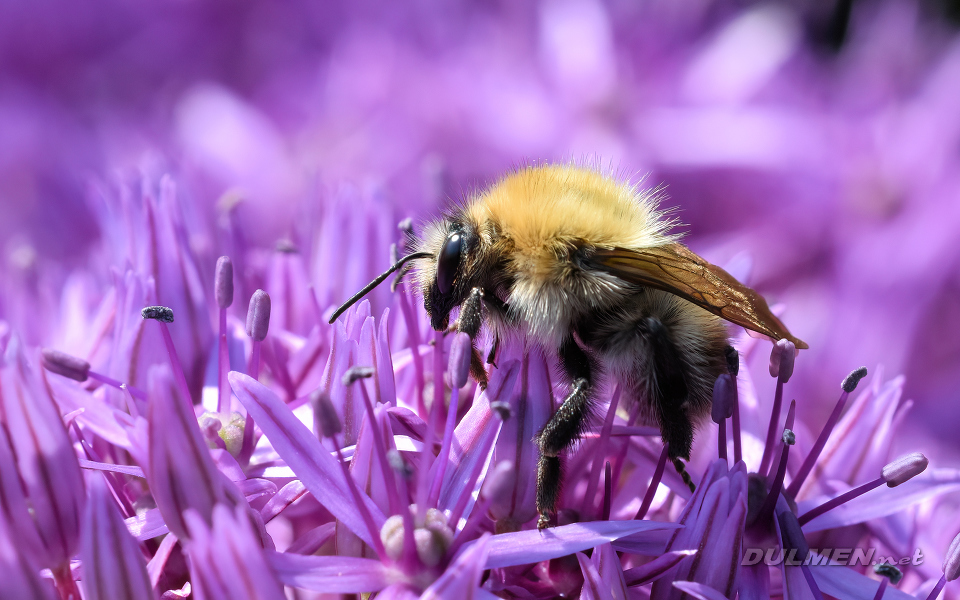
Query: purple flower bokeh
[[814, 157]]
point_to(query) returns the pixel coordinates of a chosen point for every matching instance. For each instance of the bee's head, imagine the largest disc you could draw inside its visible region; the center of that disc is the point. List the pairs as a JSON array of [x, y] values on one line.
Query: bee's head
[[446, 278], [445, 257]]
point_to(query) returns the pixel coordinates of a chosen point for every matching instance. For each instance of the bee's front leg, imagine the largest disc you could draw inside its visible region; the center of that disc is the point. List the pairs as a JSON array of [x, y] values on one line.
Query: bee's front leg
[[469, 322], [564, 427]]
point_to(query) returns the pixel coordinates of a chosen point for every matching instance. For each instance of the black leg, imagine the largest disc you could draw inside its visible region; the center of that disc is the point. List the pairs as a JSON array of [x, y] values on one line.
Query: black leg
[[564, 427], [548, 488], [492, 355], [471, 316], [669, 389]]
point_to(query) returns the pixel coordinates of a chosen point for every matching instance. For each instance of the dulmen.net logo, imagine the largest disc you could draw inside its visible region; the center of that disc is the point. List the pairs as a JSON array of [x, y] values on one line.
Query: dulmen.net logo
[[849, 557]]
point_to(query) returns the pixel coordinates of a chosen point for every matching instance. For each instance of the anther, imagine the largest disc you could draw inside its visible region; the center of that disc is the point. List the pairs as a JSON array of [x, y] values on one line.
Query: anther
[[782, 359], [64, 364], [722, 399], [258, 316], [733, 360], [891, 572], [355, 374], [158, 313], [325, 416], [904, 469], [951, 564], [223, 282], [853, 379], [461, 350]]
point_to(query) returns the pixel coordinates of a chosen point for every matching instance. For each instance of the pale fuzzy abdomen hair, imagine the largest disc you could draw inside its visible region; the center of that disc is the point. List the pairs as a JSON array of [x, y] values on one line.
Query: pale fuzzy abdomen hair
[[699, 337]]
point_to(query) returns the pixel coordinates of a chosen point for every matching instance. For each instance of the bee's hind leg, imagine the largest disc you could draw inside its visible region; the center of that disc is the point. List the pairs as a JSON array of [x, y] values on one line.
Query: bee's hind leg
[[669, 393], [564, 427]]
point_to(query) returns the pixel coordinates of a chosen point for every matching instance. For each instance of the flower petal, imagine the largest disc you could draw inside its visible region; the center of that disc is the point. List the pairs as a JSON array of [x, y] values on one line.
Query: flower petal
[[846, 584], [526, 547], [330, 574], [462, 577], [656, 568], [698, 590], [301, 450], [594, 587], [113, 566]]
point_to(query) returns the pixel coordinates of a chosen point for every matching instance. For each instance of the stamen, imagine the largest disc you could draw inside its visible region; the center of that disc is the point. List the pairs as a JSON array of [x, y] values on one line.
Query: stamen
[[890, 573], [883, 582], [792, 539], [935, 592], [951, 564], [899, 471], [776, 361], [654, 483], [258, 323], [849, 384], [722, 410], [158, 313], [766, 511], [413, 339], [781, 360], [403, 472], [64, 364], [733, 367], [164, 315], [853, 379], [460, 352], [379, 444], [325, 418], [258, 316], [356, 374], [600, 451], [223, 291], [223, 282], [904, 469], [607, 492]]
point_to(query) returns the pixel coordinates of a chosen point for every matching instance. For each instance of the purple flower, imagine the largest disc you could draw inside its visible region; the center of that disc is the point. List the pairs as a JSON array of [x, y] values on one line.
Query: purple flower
[[254, 173]]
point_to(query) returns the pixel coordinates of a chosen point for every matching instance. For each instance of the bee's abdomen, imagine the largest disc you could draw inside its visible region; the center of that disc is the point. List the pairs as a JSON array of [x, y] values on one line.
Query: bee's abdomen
[[667, 354]]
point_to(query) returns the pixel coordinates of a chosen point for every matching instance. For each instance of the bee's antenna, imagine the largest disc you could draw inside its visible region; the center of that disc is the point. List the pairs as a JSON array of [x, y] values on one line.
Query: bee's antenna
[[380, 278]]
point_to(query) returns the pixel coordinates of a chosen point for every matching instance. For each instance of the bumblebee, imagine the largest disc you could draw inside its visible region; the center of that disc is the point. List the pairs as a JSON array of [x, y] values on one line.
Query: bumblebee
[[586, 266]]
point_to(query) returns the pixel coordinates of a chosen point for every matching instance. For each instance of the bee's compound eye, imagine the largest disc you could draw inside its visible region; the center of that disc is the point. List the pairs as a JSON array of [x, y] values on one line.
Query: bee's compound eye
[[449, 262]]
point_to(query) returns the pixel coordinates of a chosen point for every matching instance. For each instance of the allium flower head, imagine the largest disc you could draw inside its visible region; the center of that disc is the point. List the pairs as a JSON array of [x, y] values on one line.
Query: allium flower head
[[189, 191]]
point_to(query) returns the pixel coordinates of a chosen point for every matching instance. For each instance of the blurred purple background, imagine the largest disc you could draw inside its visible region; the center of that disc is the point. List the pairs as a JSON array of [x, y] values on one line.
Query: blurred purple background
[[820, 145]]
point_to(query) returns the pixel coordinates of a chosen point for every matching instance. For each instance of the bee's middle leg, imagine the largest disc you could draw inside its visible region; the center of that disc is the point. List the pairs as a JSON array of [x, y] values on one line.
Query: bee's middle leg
[[564, 427]]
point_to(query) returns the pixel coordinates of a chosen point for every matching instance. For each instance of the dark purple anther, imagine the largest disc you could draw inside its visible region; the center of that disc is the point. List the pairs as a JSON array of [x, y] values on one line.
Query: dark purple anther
[[258, 316], [64, 364], [223, 282], [158, 313]]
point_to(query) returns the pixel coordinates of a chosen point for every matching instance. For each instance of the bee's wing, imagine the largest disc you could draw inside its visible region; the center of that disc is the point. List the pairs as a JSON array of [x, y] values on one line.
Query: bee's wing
[[674, 268]]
